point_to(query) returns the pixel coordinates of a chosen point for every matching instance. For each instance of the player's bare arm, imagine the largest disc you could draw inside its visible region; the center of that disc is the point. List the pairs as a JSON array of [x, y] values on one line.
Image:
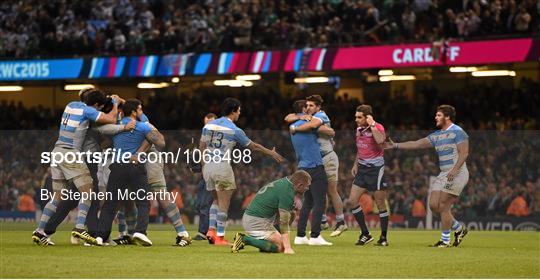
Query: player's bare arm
[[409, 145], [156, 138], [326, 131], [314, 123], [113, 129], [284, 222], [111, 117], [145, 146], [254, 146], [290, 118], [463, 153]]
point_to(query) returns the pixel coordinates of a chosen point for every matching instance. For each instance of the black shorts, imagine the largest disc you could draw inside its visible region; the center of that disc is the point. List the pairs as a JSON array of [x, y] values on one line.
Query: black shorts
[[370, 178]]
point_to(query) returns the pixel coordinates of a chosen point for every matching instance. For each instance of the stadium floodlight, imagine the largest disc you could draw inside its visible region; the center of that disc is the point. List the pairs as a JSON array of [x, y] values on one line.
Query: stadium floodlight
[[311, 80], [77, 87], [397, 78], [493, 73], [385, 72], [244, 84], [460, 69], [254, 77], [233, 83], [10, 88], [175, 80], [152, 85]]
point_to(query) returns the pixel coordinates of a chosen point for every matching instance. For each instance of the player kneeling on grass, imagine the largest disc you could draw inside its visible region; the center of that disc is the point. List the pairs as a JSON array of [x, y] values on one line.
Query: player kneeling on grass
[[274, 199]]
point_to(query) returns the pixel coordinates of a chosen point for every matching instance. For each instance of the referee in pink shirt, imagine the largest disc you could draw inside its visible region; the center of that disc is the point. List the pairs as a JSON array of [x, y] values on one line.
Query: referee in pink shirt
[[368, 172]]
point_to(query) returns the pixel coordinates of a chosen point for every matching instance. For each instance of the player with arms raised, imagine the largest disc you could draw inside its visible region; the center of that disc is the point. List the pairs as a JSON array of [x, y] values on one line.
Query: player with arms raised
[[452, 146]]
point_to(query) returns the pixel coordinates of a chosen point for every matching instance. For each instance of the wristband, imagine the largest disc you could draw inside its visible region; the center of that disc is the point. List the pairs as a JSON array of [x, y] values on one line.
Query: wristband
[[115, 101], [396, 146], [292, 128]]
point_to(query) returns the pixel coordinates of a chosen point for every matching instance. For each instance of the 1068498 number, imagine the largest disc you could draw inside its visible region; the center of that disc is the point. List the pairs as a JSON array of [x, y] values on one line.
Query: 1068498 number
[[217, 156]]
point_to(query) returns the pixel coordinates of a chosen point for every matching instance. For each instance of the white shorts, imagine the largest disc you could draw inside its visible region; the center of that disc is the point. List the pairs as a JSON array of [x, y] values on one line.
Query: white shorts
[[331, 166], [156, 177], [258, 228], [67, 171], [218, 176], [456, 186]]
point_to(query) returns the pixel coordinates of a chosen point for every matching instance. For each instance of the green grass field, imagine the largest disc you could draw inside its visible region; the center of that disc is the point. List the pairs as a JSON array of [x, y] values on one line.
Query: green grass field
[[482, 254]]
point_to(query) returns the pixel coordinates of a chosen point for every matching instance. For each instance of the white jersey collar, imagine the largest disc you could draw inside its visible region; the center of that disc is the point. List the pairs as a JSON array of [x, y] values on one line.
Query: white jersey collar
[[449, 127]]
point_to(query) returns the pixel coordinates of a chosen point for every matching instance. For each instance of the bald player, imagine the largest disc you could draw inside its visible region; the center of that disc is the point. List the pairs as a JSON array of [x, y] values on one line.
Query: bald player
[[274, 199]]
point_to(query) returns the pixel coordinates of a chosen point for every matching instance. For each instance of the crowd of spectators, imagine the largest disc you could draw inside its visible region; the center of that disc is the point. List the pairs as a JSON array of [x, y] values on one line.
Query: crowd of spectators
[[32, 28], [501, 124]]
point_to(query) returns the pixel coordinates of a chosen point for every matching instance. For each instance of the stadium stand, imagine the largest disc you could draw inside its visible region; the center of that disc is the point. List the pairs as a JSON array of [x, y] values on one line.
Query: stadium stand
[[33, 28]]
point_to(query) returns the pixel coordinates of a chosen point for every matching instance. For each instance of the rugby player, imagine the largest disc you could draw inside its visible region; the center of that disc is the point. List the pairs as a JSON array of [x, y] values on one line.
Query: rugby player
[[130, 175], [330, 158], [218, 139], [309, 158], [274, 199], [452, 146], [74, 125], [205, 203], [91, 144], [157, 183]]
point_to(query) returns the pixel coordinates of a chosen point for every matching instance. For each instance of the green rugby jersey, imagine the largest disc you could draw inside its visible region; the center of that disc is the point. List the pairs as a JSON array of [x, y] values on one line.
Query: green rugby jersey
[[273, 196]]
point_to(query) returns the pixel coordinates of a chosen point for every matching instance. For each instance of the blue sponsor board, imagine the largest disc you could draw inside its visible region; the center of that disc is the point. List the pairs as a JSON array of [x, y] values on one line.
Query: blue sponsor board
[[16, 216], [25, 70]]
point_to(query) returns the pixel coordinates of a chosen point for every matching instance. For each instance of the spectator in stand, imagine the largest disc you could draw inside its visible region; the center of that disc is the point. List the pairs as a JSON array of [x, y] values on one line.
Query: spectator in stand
[[491, 201], [248, 198], [518, 207], [366, 202], [30, 28], [26, 202], [522, 20], [418, 208]]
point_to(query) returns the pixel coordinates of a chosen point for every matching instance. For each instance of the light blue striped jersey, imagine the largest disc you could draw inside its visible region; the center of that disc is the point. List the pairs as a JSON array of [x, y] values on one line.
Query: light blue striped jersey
[[221, 135], [445, 142], [74, 125], [327, 144]]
